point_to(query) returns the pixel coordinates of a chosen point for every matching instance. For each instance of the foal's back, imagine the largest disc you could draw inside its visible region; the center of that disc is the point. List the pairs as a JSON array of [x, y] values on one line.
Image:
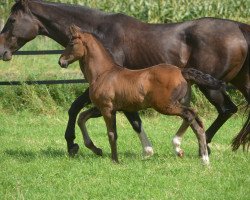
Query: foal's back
[[133, 90]]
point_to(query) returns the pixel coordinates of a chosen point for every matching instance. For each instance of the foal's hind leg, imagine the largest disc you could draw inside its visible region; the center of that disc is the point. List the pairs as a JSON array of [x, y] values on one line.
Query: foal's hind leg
[[136, 123], [178, 137], [198, 128], [190, 117], [183, 128], [83, 117]]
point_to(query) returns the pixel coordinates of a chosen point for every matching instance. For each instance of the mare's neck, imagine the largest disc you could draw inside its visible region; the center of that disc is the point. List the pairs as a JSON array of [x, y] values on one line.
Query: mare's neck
[[98, 61], [57, 17]]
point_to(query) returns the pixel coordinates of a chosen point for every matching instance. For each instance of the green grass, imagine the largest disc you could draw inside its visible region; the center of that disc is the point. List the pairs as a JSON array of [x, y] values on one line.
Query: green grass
[[34, 163]]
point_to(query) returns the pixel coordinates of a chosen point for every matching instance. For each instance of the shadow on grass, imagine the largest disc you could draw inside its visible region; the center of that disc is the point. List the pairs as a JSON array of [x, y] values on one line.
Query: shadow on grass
[[26, 155], [22, 155]]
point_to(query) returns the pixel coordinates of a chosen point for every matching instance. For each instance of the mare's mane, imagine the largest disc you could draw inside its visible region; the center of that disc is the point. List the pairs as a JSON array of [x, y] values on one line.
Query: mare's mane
[[72, 7]]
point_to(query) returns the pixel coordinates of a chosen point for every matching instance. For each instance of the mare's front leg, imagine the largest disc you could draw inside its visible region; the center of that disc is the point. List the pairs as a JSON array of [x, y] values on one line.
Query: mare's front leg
[[225, 107], [82, 119], [75, 108], [136, 123], [110, 120]]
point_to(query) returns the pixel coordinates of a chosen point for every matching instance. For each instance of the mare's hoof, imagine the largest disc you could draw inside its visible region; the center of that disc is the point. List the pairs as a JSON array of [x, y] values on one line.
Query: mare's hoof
[[115, 161], [73, 150], [98, 151], [148, 152], [180, 154]]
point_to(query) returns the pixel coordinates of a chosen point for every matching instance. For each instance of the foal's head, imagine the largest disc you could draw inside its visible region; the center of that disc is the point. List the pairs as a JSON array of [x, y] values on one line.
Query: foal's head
[[76, 48]]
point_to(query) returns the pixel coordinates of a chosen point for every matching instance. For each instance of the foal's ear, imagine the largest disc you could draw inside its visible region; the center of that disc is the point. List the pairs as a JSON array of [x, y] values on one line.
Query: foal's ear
[[74, 31], [23, 3]]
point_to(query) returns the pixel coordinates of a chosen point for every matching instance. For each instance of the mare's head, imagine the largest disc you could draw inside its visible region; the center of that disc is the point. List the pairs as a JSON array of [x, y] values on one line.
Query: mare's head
[[20, 28], [76, 48]]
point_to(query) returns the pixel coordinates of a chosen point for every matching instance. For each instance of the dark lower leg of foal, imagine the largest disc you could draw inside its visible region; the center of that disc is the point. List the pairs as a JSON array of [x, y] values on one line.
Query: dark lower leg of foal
[[135, 121], [75, 108], [225, 107], [83, 118]]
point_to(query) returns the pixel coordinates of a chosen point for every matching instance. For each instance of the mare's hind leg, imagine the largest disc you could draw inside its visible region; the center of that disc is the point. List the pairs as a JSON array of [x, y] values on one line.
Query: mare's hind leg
[[225, 107], [136, 123], [83, 117]]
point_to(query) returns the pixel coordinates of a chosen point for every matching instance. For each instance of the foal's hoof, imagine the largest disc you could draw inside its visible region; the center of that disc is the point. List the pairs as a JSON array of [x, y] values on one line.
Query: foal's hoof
[[98, 151], [73, 150], [180, 154]]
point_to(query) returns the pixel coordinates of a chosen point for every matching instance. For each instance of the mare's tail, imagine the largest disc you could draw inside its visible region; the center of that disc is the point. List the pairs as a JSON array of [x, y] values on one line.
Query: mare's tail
[[199, 78], [243, 137]]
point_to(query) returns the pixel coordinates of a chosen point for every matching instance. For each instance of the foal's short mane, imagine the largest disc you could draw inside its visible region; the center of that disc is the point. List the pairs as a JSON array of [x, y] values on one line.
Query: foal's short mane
[[98, 38], [19, 5]]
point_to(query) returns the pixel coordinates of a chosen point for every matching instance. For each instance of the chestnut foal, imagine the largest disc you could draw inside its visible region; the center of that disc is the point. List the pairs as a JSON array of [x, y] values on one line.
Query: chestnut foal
[[114, 88]]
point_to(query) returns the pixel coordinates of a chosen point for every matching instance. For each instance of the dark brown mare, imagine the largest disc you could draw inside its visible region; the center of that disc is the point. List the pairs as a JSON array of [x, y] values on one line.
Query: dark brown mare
[[113, 88], [215, 46]]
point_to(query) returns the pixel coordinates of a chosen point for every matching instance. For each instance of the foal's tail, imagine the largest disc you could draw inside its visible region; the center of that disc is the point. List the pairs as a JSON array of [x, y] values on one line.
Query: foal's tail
[[199, 78]]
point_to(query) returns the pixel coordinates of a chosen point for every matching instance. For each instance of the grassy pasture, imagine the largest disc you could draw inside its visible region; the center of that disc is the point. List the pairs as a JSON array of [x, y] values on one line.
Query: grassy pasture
[[34, 163]]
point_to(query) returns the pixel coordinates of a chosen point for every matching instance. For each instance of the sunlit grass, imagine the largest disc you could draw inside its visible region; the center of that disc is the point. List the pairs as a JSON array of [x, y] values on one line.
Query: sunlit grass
[[34, 163]]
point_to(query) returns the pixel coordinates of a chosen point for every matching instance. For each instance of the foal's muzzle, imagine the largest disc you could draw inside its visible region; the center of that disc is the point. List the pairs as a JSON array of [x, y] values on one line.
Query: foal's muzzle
[[63, 63], [5, 55]]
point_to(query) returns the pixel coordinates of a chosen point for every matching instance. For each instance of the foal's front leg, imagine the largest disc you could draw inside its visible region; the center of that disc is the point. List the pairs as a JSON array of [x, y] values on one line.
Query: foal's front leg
[[110, 120]]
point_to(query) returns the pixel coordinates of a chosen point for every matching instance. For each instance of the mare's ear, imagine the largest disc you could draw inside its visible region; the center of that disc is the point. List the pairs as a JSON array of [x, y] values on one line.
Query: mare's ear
[[74, 31]]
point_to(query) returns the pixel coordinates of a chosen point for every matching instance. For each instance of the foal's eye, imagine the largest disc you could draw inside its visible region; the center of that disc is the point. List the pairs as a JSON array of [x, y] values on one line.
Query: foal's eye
[[12, 20]]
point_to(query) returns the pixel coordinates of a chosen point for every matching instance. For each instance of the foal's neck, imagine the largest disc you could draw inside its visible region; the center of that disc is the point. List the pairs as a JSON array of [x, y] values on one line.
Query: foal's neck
[[98, 60]]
